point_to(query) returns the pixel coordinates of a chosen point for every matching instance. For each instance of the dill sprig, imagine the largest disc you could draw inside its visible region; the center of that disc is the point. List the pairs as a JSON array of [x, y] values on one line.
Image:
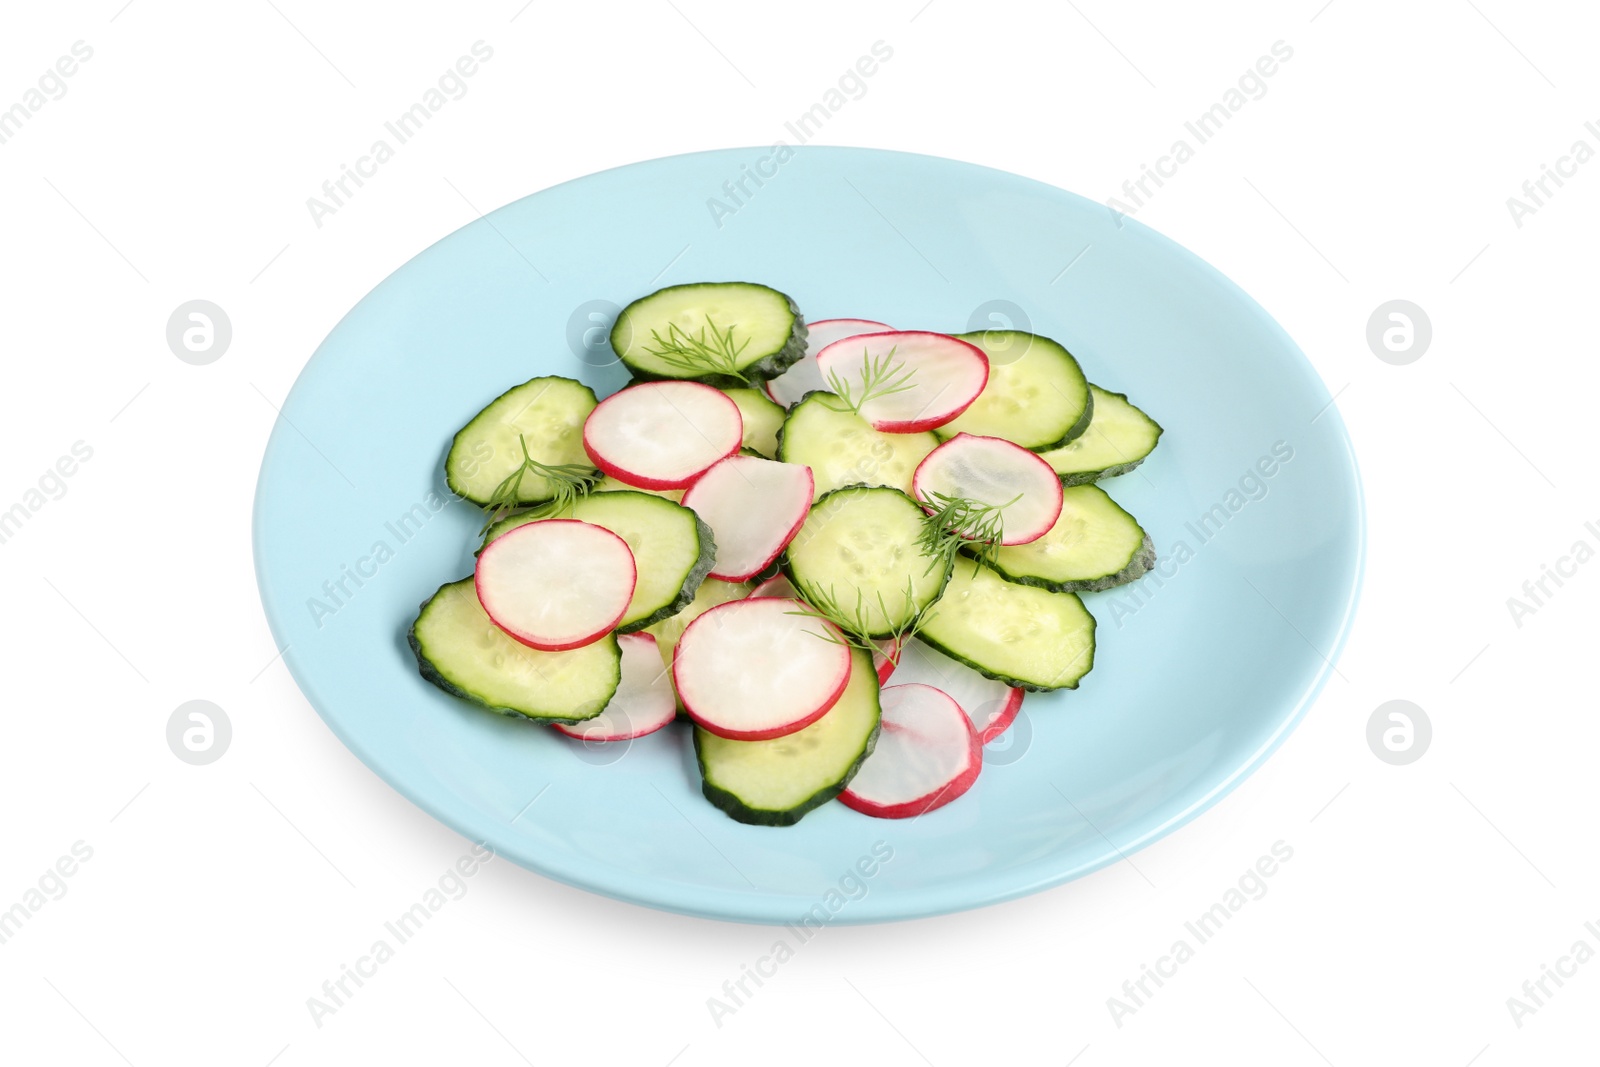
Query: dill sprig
[[880, 376], [568, 482], [953, 523], [712, 352], [853, 628]]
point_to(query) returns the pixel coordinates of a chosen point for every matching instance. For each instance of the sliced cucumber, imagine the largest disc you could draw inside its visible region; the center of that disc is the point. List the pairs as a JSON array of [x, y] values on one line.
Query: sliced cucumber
[[609, 484], [1093, 545], [1036, 397], [1118, 439], [857, 560], [1018, 634], [721, 333], [843, 449], [462, 652], [712, 591], [775, 782], [762, 420], [547, 414], [672, 548]]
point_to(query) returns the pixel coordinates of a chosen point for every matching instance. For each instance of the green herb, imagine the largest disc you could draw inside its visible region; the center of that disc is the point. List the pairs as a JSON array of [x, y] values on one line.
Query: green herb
[[957, 523], [568, 482], [854, 629], [712, 352], [880, 376]]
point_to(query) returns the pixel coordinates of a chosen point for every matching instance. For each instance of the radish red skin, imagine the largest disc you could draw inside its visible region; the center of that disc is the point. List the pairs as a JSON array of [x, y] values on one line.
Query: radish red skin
[[623, 474], [560, 645], [1003, 720], [584, 731], [1049, 482], [794, 528], [936, 799], [767, 734], [940, 417], [867, 326]]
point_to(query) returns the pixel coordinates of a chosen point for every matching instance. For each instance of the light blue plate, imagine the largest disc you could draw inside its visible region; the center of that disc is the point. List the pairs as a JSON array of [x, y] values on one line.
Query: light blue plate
[[1202, 669]]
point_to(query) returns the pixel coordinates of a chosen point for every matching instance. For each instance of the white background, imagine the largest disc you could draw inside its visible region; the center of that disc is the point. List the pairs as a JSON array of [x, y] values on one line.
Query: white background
[[219, 898]]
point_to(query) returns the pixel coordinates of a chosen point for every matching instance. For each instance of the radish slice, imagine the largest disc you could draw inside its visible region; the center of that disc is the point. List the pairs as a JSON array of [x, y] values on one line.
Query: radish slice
[[887, 648], [792, 385], [556, 584], [643, 702], [754, 507], [662, 435], [992, 706], [927, 755], [992, 471], [751, 670], [942, 377]]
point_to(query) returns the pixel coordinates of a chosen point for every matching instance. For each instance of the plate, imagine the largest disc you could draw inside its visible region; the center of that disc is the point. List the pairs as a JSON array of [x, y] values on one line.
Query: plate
[[1203, 667]]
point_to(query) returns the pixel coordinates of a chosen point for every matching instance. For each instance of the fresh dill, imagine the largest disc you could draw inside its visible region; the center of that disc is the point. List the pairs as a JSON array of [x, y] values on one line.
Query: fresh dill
[[953, 523], [880, 376], [713, 351], [854, 628], [567, 481]]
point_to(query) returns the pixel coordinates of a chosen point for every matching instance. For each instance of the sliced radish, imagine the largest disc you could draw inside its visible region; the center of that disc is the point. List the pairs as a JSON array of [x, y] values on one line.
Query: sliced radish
[[662, 435], [888, 648], [556, 584], [643, 702], [927, 755], [989, 470], [992, 706], [751, 670], [942, 375], [754, 507], [792, 385]]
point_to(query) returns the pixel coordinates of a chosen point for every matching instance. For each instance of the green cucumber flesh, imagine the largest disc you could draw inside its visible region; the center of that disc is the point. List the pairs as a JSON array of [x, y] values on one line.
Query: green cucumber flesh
[[762, 421], [842, 448], [673, 550], [460, 650], [857, 559], [754, 332], [1093, 545], [1036, 395], [1118, 439], [1021, 635], [776, 782], [546, 413]]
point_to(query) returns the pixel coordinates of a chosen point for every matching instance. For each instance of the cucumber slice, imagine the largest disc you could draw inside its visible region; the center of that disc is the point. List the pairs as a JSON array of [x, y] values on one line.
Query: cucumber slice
[[546, 413], [673, 549], [1118, 439], [608, 484], [762, 420], [858, 560], [843, 449], [712, 591], [460, 650], [721, 333], [1037, 396], [1023, 636], [1093, 545], [776, 782]]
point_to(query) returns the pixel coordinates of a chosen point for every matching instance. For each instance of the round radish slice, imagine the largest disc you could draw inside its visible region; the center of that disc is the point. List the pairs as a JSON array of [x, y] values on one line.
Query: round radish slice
[[927, 755], [906, 381], [754, 507], [556, 584], [662, 435], [643, 702], [988, 470], [751, 670], [992, 706], [888, 648], [792, 385]]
